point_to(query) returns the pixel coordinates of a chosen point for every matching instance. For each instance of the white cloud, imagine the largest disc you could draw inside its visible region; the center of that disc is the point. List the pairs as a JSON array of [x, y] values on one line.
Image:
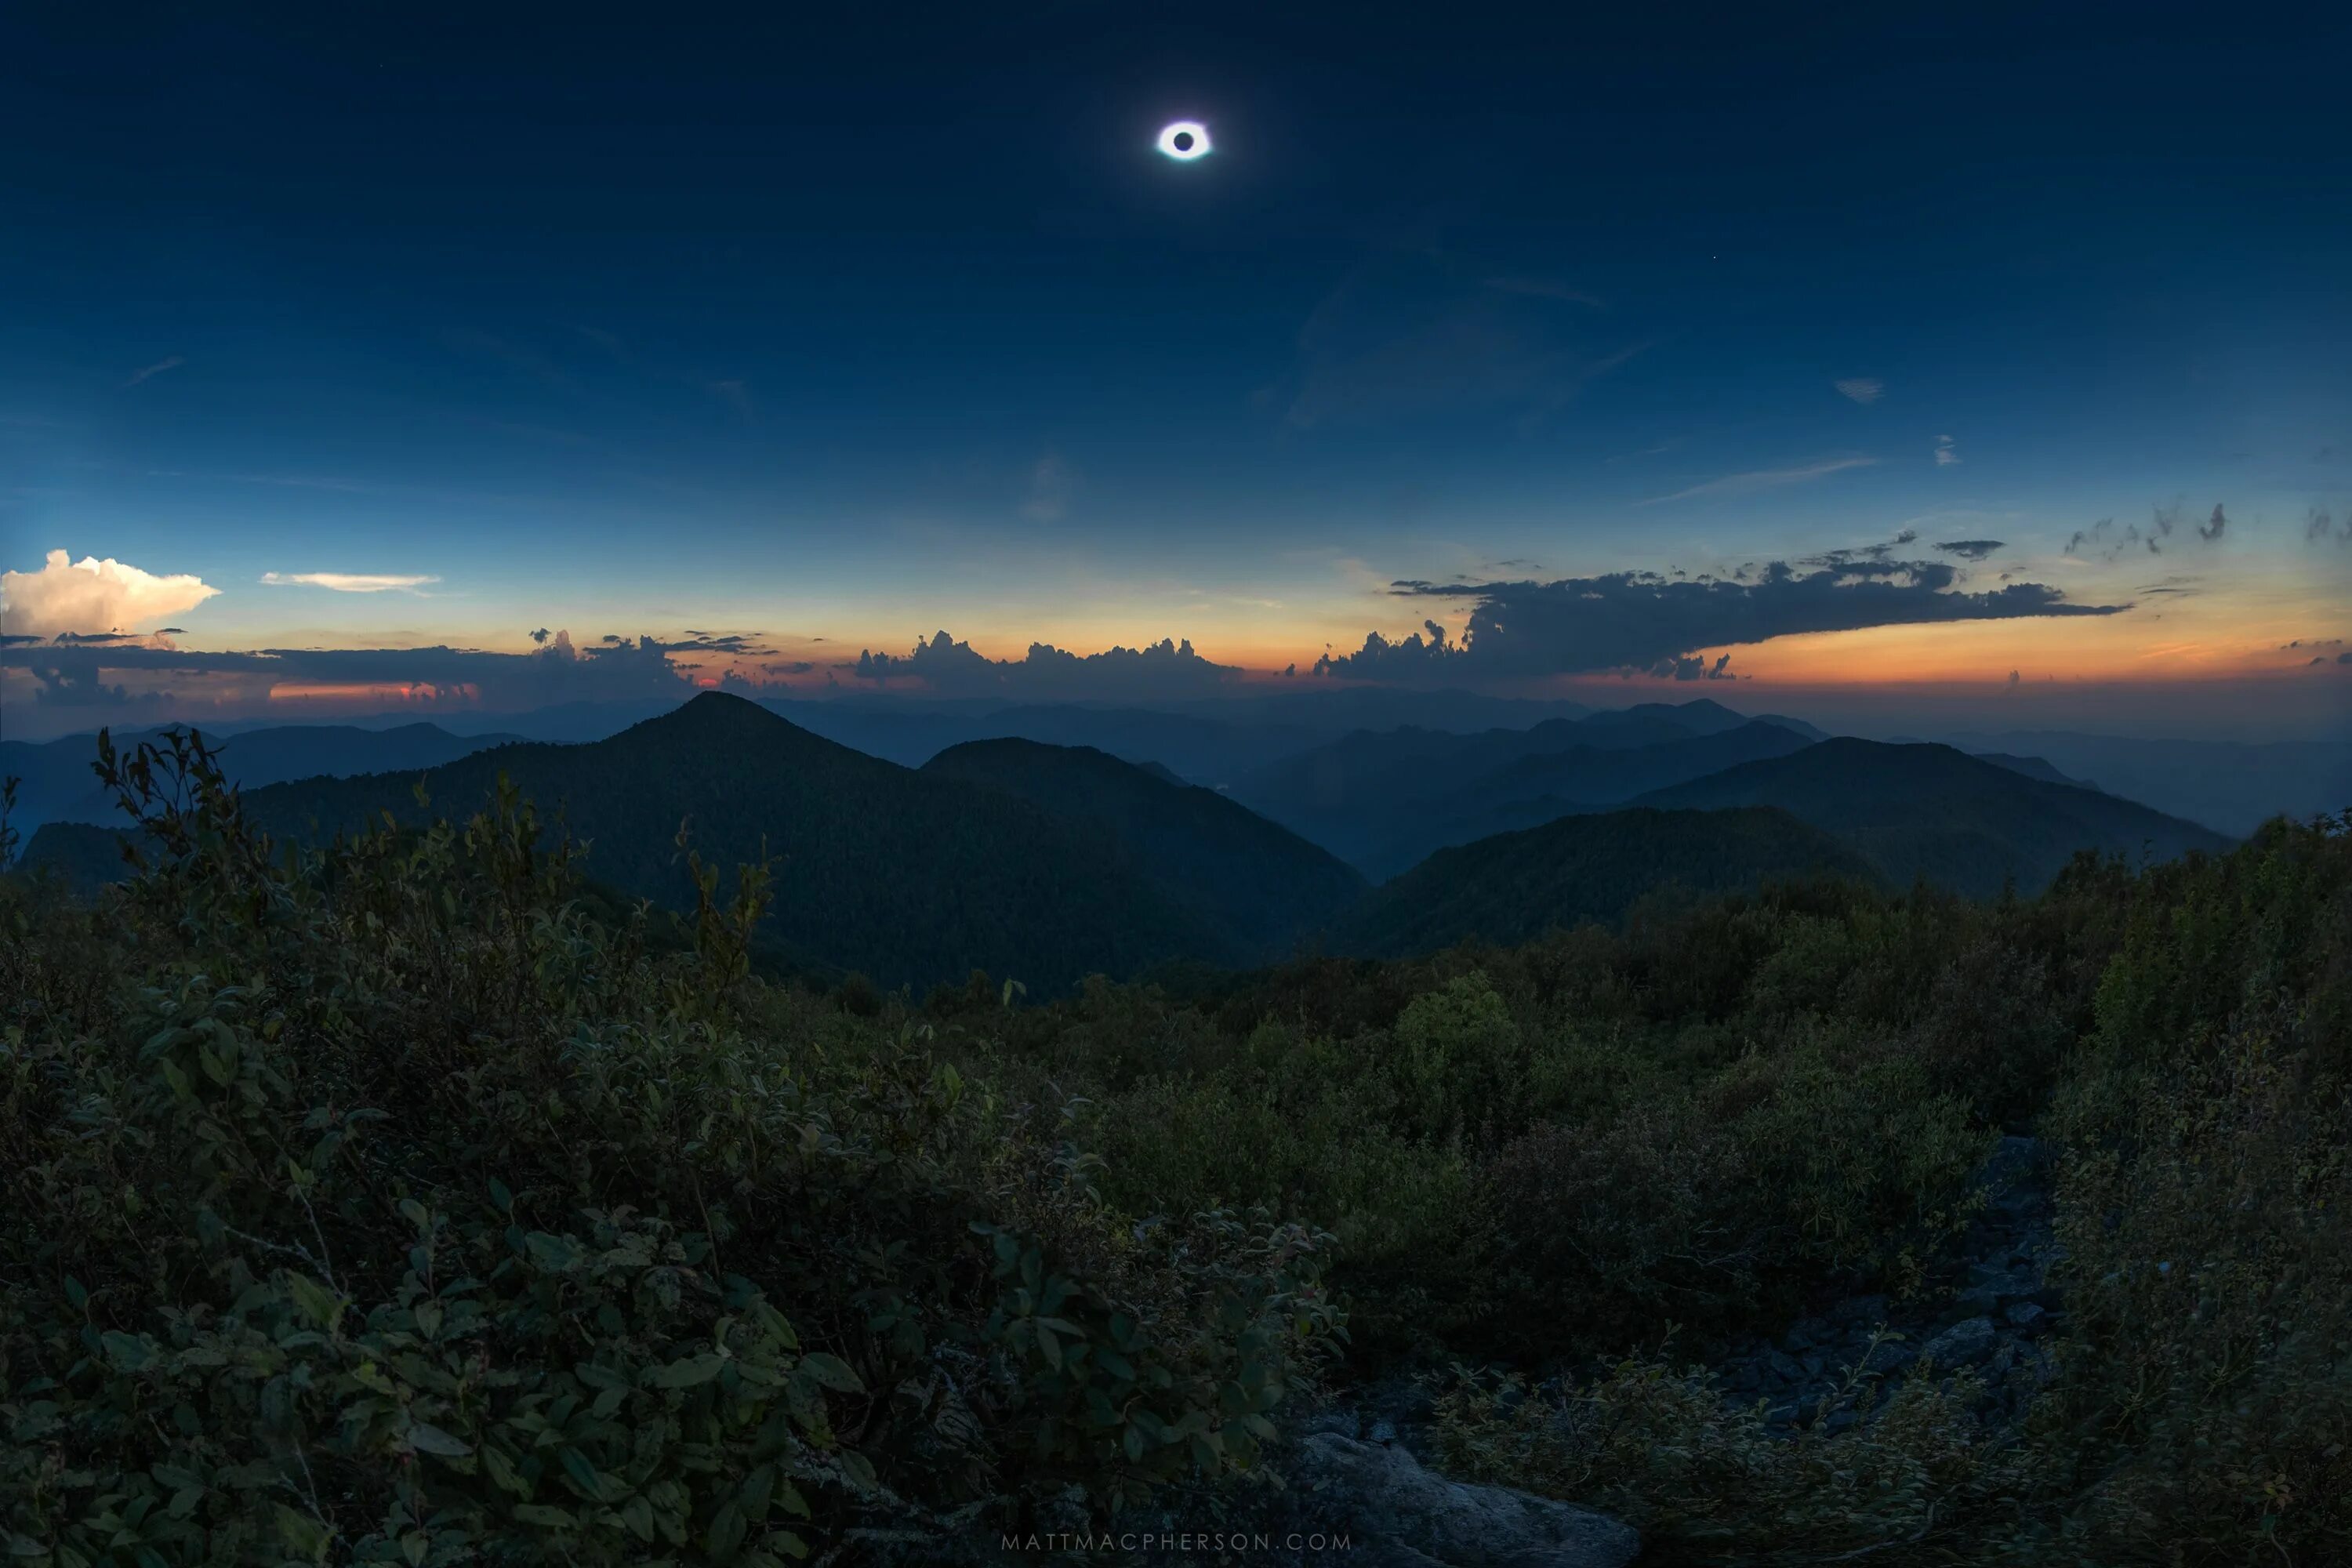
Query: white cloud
[[346, 582], [1863, 388], [1764, 480], [173, 362], [92, 596], [1945, 456]]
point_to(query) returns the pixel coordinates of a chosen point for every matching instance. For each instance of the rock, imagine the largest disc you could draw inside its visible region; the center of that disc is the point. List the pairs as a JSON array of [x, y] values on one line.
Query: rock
[[1890, 1356], [1965, 1343], [1383, 1432], [2026, 1318], [1401, 1514], [1785, 1367], [1342, 1422], [1861, 1311]]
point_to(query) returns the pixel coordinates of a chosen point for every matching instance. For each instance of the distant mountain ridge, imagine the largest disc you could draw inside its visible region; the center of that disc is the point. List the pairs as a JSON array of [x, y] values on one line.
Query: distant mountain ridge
[[1383, 800], [1249, 876], [1513, 887], [59, 786], [1045, 863], [1933, 810], [903, 875]]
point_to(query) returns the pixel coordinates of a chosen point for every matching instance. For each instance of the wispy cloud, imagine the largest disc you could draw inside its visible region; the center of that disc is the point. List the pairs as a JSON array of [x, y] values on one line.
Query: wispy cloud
[[738, 395], [348, 582], [1861, 388], [1546, 288], [170, 362], [1763, 480], [1407, 335], [1051, 483], [1945, 456]]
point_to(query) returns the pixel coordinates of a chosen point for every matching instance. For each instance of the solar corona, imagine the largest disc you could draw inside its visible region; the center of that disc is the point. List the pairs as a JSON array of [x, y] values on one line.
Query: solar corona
[[1184, 140]]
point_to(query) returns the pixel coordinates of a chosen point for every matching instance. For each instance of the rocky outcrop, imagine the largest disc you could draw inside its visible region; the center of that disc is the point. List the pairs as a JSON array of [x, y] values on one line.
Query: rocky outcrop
[[1991, 1310], [1399, 1514]]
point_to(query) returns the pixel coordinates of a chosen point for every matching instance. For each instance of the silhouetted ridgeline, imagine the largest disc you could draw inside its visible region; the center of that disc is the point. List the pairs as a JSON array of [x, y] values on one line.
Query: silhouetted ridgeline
[[1960, 821], [54, 781], [1047, 863], [1515, 887], [1267, 886]]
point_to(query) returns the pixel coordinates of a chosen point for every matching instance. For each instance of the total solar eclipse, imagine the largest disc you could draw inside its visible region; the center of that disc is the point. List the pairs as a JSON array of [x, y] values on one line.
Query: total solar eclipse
[[1185, 140]]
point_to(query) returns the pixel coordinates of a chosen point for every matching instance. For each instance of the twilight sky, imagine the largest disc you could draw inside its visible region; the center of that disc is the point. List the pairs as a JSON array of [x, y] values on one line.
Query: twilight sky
[[1863, 362]]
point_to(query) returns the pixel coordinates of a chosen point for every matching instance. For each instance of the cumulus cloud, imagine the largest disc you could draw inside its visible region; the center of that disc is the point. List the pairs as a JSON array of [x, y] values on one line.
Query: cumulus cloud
[[1969, 549], [1864, 389], [1165, 670], [1945, 456], [348, 582], [1643, 621], [1763, 480], [92, 596], [2210, 530]]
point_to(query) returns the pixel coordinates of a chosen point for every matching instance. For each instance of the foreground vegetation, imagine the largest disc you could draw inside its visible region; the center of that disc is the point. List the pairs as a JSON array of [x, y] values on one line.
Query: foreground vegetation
[[386, 1203]]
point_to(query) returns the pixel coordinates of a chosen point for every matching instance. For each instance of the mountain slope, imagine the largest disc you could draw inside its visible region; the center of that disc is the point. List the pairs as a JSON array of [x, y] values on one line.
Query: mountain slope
[[1514, 887], [1383, 800], [2234, 786], [1927, 810], [1537, 788], [58, 785], [908, 877], [1245, 874]]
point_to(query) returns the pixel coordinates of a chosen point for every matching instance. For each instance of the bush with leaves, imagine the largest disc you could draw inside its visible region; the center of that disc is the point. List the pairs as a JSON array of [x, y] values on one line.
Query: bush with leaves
[[374, 1204]]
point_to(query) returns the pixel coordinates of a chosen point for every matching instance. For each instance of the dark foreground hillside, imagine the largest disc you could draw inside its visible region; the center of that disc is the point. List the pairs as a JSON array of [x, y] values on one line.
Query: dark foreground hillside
[[380, 1204]]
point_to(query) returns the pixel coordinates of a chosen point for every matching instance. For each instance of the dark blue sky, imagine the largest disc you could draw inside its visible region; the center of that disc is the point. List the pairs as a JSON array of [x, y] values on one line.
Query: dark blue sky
[[817, 328]]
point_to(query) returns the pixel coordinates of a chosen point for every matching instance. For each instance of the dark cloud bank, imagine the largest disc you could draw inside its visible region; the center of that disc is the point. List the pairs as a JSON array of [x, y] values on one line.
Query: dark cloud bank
[[1640, 622]]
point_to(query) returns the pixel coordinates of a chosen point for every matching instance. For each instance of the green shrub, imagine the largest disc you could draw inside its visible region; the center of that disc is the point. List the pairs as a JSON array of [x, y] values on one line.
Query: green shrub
[[374, 1204], [1705, 1481]]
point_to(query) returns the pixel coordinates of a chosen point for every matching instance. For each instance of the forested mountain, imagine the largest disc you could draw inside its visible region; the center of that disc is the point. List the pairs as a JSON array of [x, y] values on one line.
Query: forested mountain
[[1243, 874], [1383, 800], [1513, 887], [1045, 863], [902, 875], [1960, 821], [2232, 787], [1216, 744], [1543, 785], [59, 787]]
